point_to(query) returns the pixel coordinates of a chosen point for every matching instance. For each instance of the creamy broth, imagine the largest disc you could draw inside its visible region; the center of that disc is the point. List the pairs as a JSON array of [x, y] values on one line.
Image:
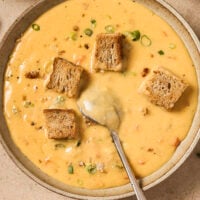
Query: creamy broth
[[149, 138]]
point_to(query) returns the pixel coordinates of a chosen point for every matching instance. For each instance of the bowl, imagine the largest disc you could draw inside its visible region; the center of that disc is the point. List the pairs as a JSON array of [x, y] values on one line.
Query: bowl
[[7, 45]]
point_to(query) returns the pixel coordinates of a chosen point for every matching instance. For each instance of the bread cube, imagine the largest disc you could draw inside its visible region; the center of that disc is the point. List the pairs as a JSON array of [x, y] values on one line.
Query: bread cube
[[163, 88], [61, 124], [66, 77], [107, 54]]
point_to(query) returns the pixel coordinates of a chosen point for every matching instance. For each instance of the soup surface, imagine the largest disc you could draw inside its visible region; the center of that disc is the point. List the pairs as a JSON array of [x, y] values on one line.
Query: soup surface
[[149, 134]]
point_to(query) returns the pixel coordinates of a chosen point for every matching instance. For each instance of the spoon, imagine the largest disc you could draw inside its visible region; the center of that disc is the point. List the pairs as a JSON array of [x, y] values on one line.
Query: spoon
[[101, 107]]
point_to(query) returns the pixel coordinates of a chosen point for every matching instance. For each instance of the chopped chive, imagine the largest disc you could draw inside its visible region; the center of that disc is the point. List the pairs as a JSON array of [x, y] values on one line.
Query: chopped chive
[[59, 145], [73, 36], [78, 143], [145, 41], [88, 32], [91, 168], [172, 46], [135, 35], [28, 104], [93, 22], [161, 52], [110, 29], [70, 169], [35, 27]]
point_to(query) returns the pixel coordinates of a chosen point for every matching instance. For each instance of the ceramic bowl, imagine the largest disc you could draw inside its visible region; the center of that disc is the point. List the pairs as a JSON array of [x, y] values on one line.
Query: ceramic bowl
[[183, 151]]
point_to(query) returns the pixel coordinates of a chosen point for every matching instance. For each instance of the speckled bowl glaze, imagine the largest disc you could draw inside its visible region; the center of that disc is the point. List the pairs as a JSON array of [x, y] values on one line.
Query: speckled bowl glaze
[[7, 45]]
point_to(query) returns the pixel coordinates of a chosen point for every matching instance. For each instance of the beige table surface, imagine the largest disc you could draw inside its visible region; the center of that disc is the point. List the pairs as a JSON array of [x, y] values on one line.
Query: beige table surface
[[184, 184]]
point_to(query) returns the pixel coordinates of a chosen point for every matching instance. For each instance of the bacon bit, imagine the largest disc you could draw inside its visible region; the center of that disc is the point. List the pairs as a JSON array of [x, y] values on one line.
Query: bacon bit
[[60, 53], [145, 72], [165, 34], [150, 149], [151, 55], [76, 28], [141, 162], [177, 142], [24, 98], [86, 46], [32, 74]]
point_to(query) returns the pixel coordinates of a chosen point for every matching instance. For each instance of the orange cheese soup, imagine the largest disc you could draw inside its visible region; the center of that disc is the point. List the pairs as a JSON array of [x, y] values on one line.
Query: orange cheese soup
[[149, 133]]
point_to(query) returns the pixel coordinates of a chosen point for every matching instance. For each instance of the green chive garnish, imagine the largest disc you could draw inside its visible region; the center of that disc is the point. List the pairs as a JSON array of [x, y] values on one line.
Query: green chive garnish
[[59, 145], [73, 36], [135, 35], [161, 52], [88, 32], [28, 104], [91, 168], [35, 27], [78, 143], [110, 29], [145, 41], [70, 169], [93, 22]]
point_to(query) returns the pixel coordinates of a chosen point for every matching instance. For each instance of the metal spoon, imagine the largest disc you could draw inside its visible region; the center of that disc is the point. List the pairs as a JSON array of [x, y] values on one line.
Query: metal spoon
[[101, 107]]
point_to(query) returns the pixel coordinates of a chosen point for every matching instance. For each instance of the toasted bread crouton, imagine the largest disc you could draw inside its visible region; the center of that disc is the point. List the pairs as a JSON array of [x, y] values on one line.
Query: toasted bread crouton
[[61, 124], [107, 54], [66, 77], [163, 88]]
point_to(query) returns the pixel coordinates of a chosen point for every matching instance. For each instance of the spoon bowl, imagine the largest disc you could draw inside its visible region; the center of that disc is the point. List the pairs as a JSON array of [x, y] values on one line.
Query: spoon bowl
[[101, 107]]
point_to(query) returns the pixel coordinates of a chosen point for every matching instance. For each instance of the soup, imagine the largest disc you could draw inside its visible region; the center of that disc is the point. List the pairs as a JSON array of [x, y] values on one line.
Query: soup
[[149, 133]]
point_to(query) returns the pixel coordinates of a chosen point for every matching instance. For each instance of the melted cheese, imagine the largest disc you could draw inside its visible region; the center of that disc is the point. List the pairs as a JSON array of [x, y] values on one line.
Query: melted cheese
[[149, 140]]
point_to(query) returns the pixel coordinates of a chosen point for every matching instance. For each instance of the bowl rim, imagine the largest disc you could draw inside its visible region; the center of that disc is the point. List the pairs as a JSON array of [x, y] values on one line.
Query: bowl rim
[[52, 188]]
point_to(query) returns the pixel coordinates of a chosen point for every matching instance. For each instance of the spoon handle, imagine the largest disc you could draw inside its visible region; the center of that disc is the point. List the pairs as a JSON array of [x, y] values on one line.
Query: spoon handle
[[138, 191]]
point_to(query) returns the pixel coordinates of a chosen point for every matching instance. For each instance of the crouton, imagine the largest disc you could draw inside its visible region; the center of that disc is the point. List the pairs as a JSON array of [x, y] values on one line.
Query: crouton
[[66, 77], [107, 53], [61, 124], [163, 88]]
